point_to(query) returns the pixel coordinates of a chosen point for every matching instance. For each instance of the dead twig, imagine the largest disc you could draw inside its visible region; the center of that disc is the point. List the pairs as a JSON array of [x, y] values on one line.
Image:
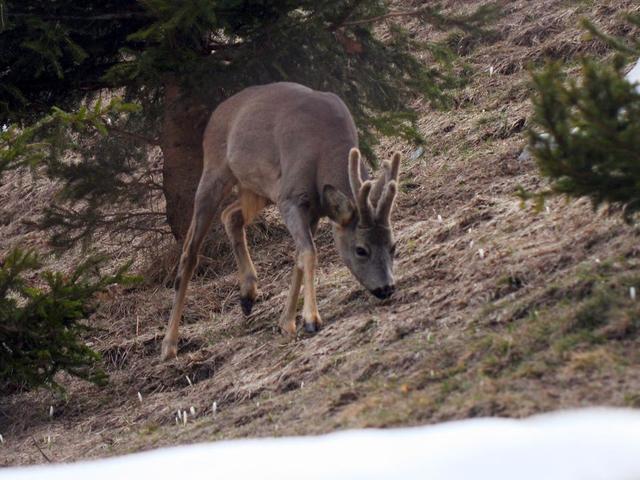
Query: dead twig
[[393, 14], [40, 450], [135, 136]]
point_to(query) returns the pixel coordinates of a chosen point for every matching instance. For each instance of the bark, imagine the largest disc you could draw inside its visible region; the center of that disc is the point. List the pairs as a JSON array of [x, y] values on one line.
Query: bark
[[183, 126]]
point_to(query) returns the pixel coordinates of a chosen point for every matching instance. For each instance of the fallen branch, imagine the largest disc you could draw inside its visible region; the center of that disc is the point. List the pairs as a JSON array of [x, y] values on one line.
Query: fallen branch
[[135, 136]]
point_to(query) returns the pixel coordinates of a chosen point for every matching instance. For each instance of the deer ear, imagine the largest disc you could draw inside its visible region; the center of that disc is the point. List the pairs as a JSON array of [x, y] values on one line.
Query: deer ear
[[337, 205]]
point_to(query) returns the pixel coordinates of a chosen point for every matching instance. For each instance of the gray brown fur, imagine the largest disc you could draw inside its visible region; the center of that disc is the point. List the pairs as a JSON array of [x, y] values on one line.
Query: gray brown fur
[[289, 145]]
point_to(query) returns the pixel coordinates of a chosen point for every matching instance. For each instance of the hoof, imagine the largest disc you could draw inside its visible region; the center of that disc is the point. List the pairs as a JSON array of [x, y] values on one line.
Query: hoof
[[246, 304], [288, 328], [169, 350], [313, 324], [311, 327]]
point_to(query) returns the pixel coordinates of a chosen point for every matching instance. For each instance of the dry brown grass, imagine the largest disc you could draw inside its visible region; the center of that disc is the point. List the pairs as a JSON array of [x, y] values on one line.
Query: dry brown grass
[[491, 315]]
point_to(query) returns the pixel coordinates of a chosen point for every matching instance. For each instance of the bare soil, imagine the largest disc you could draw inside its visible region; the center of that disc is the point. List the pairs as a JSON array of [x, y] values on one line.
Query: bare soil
[[499, 310]]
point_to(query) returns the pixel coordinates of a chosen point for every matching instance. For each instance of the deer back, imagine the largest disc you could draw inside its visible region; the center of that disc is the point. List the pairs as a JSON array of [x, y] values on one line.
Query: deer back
[[283, 140]]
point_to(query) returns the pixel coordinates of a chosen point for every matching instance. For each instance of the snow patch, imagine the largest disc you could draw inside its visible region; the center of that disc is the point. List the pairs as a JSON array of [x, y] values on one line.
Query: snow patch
[[580, 444], [634, 75]]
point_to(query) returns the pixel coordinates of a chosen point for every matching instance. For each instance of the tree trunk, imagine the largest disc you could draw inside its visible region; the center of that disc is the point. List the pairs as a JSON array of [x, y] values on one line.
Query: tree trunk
[[181, 143]]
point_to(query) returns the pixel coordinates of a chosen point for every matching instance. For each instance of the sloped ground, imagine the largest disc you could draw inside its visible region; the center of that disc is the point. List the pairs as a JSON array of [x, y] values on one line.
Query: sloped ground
[[499, 310]]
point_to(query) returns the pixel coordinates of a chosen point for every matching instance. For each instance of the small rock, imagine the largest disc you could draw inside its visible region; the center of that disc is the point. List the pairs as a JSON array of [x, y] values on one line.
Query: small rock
[[525, 155], [417, 153]]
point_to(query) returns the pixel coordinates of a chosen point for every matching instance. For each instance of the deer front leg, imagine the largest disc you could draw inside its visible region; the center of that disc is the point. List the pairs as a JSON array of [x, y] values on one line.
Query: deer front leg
[[301, 226], [310, 314], [288, 319], [304, 267]]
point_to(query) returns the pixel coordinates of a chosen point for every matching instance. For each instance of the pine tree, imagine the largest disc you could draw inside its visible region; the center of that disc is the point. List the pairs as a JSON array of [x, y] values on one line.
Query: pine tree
[[41, 329], [178, 60], [586, 133]]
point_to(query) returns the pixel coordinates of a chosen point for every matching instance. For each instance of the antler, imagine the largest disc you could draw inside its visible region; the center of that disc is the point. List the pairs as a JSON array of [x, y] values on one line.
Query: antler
[[360, 190], [390, 169], [388, 195], [374, 200], [378, 186], [365, 211]]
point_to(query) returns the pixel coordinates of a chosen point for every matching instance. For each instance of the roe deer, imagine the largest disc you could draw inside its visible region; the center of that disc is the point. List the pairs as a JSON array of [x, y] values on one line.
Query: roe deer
[[289, 145]]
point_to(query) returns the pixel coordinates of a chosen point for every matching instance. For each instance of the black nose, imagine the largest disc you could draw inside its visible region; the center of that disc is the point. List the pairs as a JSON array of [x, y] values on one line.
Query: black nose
[[384, 292]]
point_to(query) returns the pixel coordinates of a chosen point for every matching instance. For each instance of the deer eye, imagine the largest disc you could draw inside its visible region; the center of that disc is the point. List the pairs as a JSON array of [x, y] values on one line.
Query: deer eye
[[362, 252]]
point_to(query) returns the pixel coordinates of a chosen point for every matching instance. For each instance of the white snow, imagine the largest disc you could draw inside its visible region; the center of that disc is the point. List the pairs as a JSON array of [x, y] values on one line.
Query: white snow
[[580, 444], [634, 75]]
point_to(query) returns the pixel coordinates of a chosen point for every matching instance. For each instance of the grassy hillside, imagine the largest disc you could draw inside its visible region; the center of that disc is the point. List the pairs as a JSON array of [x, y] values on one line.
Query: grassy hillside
[[498, 310]]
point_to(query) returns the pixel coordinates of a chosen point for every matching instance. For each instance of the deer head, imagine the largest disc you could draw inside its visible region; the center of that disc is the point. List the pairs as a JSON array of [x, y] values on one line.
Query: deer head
[[362, 231]]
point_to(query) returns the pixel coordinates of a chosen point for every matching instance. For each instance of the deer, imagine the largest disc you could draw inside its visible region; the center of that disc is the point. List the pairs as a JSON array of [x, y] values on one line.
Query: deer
[[288, 145]]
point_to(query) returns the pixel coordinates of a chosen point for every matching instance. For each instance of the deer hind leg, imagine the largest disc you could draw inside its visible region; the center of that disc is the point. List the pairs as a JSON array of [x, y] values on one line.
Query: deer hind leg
[[234, 218], [213, 188]]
